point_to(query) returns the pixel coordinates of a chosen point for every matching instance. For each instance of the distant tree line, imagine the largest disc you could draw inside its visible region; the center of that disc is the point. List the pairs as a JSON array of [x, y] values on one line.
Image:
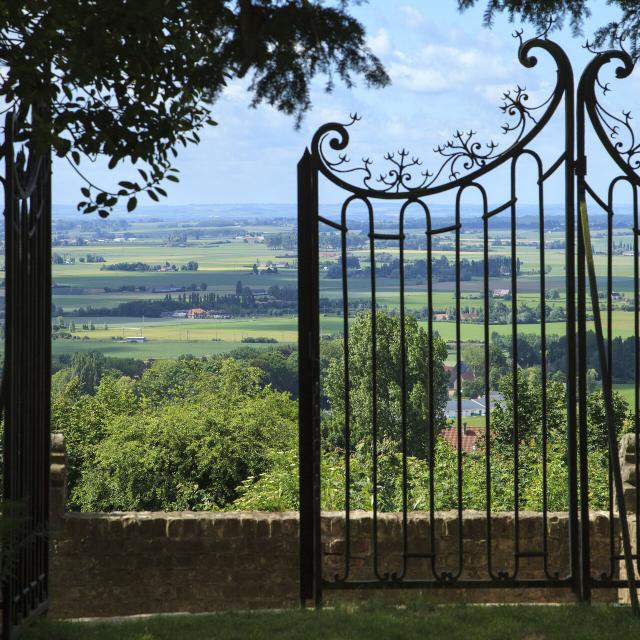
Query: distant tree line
[[192, 265], [57, 258], [529, 349], [499, 313], [443, 270], [278, 300]]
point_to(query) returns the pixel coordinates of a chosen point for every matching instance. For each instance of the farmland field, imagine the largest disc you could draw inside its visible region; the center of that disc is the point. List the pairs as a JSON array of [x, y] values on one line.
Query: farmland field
[[236, 251]]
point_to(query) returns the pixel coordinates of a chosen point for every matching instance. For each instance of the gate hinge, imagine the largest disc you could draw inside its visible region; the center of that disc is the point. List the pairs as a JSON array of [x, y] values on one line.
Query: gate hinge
[[580, 166]]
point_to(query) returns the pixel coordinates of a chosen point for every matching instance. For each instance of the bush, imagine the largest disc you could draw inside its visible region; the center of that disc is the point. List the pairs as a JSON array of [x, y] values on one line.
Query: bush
[[132, 448]]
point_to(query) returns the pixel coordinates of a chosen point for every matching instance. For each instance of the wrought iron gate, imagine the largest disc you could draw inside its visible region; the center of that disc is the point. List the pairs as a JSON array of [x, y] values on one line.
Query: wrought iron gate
[[26, 378], [465, 166]]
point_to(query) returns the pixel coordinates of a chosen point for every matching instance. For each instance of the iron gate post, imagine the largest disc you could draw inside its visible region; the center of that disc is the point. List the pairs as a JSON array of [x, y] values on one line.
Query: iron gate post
[[586, 105], [26, 379], [309, 382], [580, 163], [570, 224]]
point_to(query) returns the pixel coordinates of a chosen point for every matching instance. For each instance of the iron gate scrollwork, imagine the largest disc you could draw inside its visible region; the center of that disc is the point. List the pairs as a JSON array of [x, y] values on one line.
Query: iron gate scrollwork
[[26, 378], [408, 182]]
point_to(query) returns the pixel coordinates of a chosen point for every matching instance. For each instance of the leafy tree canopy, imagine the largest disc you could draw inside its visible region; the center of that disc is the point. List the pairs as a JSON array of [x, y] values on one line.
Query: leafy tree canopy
[[530, 410], [553, 13], [135, 80], [389, 385], [128, 450]]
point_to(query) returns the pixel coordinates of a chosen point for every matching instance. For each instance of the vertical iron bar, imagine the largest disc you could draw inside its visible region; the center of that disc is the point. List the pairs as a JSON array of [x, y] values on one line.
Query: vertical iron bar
[[45, 442], [309, 383], [570, 285], [403, 398], [514, 373], [608, 398], [585, 555], [487, 386], [347, 394], [585, 574], [459, 380], [636, 330], [431, 397], [374, 392], [610, 489], [543, 367], [7, 380]]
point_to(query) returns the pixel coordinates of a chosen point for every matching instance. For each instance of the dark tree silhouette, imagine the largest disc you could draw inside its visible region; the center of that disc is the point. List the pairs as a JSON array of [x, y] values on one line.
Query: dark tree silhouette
[[135, 80], [551, 14]]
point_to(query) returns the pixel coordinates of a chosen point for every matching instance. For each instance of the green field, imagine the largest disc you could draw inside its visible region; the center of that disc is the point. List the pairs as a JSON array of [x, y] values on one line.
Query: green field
[[224, 257], [628, 392]]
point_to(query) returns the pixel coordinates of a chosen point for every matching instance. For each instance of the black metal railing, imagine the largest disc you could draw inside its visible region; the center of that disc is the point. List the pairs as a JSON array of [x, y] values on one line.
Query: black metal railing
[[26, 379], [465, 168]]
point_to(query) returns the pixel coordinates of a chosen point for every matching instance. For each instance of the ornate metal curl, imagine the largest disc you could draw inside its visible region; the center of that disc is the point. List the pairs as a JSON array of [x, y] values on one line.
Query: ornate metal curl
[[464, 157], [614, 130]]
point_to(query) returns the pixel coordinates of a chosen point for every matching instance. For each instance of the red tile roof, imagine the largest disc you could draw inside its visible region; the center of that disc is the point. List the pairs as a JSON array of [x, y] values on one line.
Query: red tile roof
[[469, 438]]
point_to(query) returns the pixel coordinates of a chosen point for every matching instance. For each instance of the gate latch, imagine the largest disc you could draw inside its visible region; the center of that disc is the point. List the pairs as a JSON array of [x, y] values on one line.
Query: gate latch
[[580, 166]]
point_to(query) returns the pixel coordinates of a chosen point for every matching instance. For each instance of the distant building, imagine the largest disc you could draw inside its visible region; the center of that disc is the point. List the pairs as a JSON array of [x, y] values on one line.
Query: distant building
[[500, 293], [468, 439], [138, 339], [196, 313], [166, 289], [470, 407]]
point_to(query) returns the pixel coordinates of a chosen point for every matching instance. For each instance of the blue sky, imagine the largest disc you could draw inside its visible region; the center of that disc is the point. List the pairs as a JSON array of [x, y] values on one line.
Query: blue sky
[[447, 72]]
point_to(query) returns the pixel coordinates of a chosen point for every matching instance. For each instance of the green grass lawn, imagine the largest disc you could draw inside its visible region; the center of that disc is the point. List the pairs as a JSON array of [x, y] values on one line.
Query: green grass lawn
[[628, 391], [373, 620]]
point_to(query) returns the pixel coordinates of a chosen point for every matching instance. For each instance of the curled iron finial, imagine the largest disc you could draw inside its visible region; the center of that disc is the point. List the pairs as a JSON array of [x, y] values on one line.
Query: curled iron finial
[[614, 130], [463, 156]]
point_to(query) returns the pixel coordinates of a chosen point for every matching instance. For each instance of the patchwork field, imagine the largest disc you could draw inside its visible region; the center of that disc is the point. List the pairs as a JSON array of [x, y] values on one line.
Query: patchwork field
[[231, 250]]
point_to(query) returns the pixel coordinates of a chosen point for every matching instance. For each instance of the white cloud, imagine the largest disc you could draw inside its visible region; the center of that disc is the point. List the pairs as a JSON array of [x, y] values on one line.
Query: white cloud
[[380, 44], [439, 68], [413, 16]]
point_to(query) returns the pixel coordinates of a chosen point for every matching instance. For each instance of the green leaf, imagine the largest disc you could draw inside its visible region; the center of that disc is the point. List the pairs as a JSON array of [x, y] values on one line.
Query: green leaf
[[132, 203]]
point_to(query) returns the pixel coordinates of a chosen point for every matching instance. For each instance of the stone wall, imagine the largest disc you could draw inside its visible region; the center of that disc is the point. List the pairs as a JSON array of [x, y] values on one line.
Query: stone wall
[[109, 564], [628, 458]]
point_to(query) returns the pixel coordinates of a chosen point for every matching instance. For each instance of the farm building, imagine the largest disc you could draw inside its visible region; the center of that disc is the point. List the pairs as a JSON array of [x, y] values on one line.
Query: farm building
[[472, 406]]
